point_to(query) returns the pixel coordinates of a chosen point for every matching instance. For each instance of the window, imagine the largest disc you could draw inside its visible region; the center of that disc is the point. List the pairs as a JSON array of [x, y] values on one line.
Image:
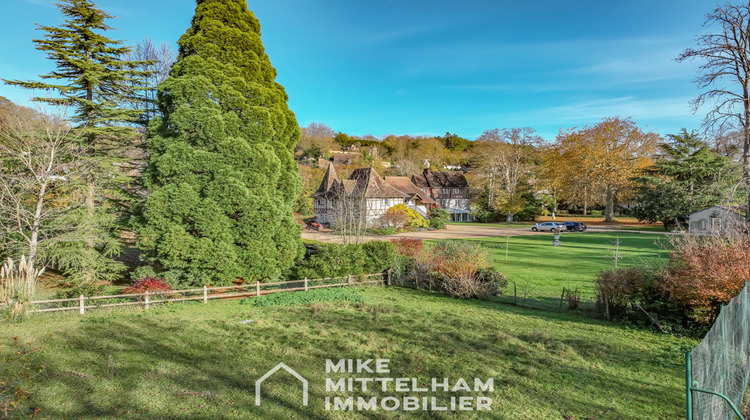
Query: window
[[384, 202], [456, 191]]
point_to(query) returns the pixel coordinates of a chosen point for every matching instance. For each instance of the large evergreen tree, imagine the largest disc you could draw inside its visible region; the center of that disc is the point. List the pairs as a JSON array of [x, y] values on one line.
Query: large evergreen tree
[[221, 173], [686, 177], [92, 75], [93, 78]]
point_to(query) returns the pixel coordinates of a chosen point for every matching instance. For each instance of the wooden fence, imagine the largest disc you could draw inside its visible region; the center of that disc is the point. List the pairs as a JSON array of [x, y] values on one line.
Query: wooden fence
[[204, 294]]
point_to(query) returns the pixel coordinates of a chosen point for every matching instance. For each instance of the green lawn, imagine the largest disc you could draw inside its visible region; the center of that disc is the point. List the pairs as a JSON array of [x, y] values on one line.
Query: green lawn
[[543, 269], [645, 228], [190, 361]]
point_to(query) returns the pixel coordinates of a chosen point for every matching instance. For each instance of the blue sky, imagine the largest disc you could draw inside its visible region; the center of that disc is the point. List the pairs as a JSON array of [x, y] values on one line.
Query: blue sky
[[427, 67]]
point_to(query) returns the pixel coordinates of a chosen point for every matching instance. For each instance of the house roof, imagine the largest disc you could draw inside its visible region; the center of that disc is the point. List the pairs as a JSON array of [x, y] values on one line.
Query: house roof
[[330, 179], [740, 209], [373, 185], [345, 158], [440, 179], [405, 185], [362, 181]]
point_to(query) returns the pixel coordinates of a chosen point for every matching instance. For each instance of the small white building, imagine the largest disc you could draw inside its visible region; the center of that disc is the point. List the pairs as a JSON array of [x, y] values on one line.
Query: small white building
[[716, 220]]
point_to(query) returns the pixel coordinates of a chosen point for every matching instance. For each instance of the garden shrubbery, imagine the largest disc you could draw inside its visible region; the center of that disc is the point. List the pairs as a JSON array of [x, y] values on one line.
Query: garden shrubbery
[[703, 273], [459, 268], [438, 218], [148, 284], [333, 260], [408, 247]]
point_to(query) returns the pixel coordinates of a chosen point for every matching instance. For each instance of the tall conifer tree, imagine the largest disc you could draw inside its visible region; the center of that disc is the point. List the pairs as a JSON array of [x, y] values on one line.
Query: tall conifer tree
[[221, 173], [94, 79]]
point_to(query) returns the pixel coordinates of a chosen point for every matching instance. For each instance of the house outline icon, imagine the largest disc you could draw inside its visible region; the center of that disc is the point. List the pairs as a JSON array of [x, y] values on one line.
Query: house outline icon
[[271, 372]]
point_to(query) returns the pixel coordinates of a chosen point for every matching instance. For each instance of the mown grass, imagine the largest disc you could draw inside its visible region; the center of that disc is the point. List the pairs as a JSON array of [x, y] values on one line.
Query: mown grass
[[198, 361], [541, 270]]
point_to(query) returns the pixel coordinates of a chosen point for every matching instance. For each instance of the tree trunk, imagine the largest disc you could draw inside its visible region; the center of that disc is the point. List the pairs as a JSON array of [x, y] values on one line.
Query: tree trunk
[[89, 225], [609, 212], [585, 200], [36, 224], [746, 162]]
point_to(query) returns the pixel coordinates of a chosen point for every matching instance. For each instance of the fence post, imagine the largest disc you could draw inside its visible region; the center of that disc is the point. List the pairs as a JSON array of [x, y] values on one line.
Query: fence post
[[147, 300], [688, 386], [257, 288], [725, 348], [388, 283], [306, 288], [205, 294], [81, 305]]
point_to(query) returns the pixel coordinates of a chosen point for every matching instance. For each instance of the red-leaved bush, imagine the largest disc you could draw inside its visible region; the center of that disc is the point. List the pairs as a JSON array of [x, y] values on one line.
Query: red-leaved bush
[[148, 284], [411, 248], [706, 272]]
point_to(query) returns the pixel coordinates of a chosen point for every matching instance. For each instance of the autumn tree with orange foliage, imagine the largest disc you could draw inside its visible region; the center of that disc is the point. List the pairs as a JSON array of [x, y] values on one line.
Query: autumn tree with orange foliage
[[599, 163]]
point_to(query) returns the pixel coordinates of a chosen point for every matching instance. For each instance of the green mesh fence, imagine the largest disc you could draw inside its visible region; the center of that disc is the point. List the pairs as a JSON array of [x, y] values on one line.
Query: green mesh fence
[[720, 364]]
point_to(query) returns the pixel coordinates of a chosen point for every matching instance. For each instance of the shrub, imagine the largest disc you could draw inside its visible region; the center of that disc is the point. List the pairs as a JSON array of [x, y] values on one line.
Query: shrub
[[408, 247], [17, 287], [457, 259], [495, 281], [388, 230], [438, 218], [455, 264], [706, 272], [616, 289], [86, 289], [148, 284], [333, 260], [379, 256], [396, 217], [346, 294], [401, 216], [595, 212], [574, 299]]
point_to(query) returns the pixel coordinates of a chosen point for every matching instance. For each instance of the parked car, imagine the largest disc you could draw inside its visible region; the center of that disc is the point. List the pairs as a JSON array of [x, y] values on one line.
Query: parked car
[[550, 226], [575, 226]]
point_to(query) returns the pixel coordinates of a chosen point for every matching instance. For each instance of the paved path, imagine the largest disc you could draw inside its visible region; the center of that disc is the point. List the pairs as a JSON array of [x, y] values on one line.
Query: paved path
[[456, 231]]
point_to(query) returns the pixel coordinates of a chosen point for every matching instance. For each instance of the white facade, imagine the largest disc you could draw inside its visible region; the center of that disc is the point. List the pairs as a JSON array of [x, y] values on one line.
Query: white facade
[[713, 220]]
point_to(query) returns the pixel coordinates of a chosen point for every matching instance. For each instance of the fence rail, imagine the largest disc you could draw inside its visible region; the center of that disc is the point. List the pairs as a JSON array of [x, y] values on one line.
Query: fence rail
[[84, 303], [717, 371]]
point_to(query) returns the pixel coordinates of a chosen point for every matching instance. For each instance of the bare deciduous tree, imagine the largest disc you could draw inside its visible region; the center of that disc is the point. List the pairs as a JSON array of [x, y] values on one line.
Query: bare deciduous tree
[[38, 159], [316, 140], [725, 74], [350, 213], [158, 61]]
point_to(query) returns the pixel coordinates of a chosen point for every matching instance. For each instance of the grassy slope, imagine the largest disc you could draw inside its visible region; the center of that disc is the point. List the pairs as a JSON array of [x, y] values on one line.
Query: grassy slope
[[548, 268], [197, 361]]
